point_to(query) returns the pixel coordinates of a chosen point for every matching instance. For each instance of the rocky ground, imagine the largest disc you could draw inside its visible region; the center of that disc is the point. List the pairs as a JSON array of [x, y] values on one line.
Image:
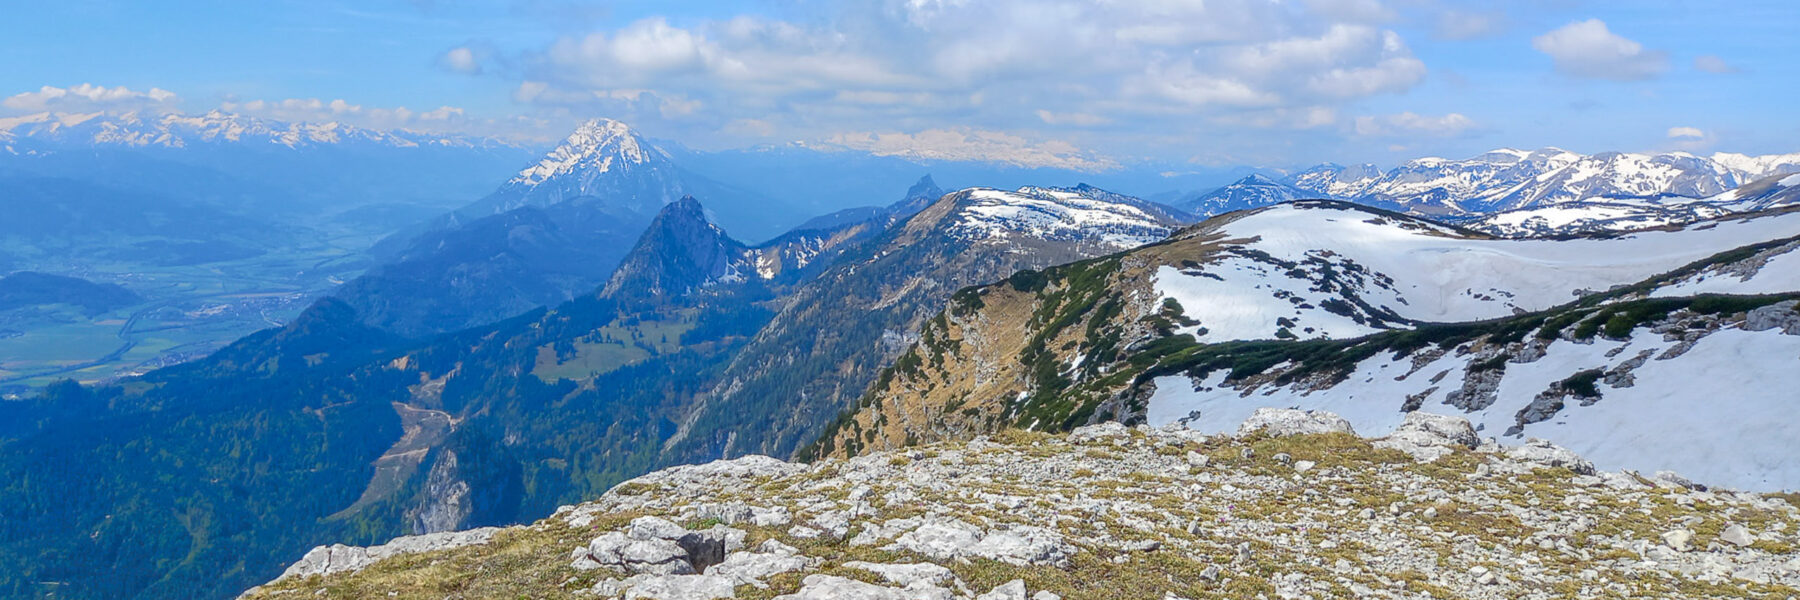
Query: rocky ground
[[1294, 506]]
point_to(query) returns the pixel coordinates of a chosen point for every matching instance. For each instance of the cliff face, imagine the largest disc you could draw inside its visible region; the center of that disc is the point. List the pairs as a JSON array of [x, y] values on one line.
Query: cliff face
[[1293, 504], [1034, 351], [835, 332]]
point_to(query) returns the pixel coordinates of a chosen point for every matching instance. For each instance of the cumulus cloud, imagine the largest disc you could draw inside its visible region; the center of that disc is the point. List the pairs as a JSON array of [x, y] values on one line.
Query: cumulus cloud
[[1410, 124], [1360, 11], [461, 59], [443, 119], [974, 145], [1686, 133], [89, 97], [936, 65], [1461, 25], [1713, 64], [1075, 119], [1588, 49]]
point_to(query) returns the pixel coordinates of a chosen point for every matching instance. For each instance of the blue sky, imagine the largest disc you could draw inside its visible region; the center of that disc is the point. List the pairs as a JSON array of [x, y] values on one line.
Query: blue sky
[[1088, 84]]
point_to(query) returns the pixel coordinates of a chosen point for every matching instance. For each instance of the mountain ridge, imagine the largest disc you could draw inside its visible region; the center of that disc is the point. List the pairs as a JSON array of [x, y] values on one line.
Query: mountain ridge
[[1109, 338]]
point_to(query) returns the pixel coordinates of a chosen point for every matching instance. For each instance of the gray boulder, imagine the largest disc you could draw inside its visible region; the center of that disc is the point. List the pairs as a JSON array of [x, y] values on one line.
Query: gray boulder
[[831, 587], [1011, 590], [1428, 437], [949, 539], [908, 574], [751, 568], [681, 587], [338, 558], [1540, 453], [1780, 315], [657, 546], [1280, 422]]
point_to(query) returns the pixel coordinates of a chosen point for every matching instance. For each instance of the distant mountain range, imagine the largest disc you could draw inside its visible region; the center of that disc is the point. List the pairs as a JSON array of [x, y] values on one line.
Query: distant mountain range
[[594, 316], [47, 132], [295, 172], [1608, 191]]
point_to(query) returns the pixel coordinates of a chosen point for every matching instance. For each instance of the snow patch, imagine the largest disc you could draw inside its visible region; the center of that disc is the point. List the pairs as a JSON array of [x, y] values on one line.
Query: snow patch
[[1722, 412], [1055, 214], [1296, 262]]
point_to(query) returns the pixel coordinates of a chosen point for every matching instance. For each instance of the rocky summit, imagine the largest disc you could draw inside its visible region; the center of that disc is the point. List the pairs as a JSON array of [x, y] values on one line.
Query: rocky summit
[[1293, 505]]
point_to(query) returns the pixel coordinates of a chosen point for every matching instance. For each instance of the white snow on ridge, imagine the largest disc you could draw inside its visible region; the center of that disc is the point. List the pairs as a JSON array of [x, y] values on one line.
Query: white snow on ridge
[[1751, 168], [1508, 179], [1052, 214], [1721, 413], [1779, 274], [599, 144], [175, 130], [1418, 275], [1562, 215]]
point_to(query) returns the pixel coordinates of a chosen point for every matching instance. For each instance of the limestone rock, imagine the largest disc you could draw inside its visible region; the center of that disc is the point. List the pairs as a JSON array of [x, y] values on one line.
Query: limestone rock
[[1780, 315], [338, 558], [1011, 590], [1428, 437], [1680, 539], [682, 587], [657, 546], [948, 539], [1737, 535], [1286, 421], [831, 587], [907, 574], [1545, 454]]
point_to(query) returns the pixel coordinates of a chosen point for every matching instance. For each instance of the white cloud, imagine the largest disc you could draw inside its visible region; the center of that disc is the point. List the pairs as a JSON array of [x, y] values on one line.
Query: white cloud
[[1356, 11], [1461, 25], [1410, 124], [1301, 118], [441, 113], [744, 54], [1588, 49], [1686, 133], [1075, 119], [89, 97], [462, 60], [975, 145], [1713, 64], [939, 65], [749, 127]]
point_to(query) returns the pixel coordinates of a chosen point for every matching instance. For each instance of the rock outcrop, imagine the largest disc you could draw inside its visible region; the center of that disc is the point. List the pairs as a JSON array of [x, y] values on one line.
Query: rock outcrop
[[338, 558], [1292, 508], [1286, 421]]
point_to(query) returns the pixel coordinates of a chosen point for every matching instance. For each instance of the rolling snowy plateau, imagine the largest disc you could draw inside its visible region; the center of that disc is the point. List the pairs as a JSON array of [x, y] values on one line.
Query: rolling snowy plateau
[[1057, 215], [1707, 394], [1629, 214], [1325, 270]]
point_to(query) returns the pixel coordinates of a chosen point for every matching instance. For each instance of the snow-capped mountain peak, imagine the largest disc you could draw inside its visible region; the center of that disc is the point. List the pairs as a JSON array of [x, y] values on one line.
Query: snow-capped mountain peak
[[1253, 191], [597, 146], [1509, 179], [214, 127]]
